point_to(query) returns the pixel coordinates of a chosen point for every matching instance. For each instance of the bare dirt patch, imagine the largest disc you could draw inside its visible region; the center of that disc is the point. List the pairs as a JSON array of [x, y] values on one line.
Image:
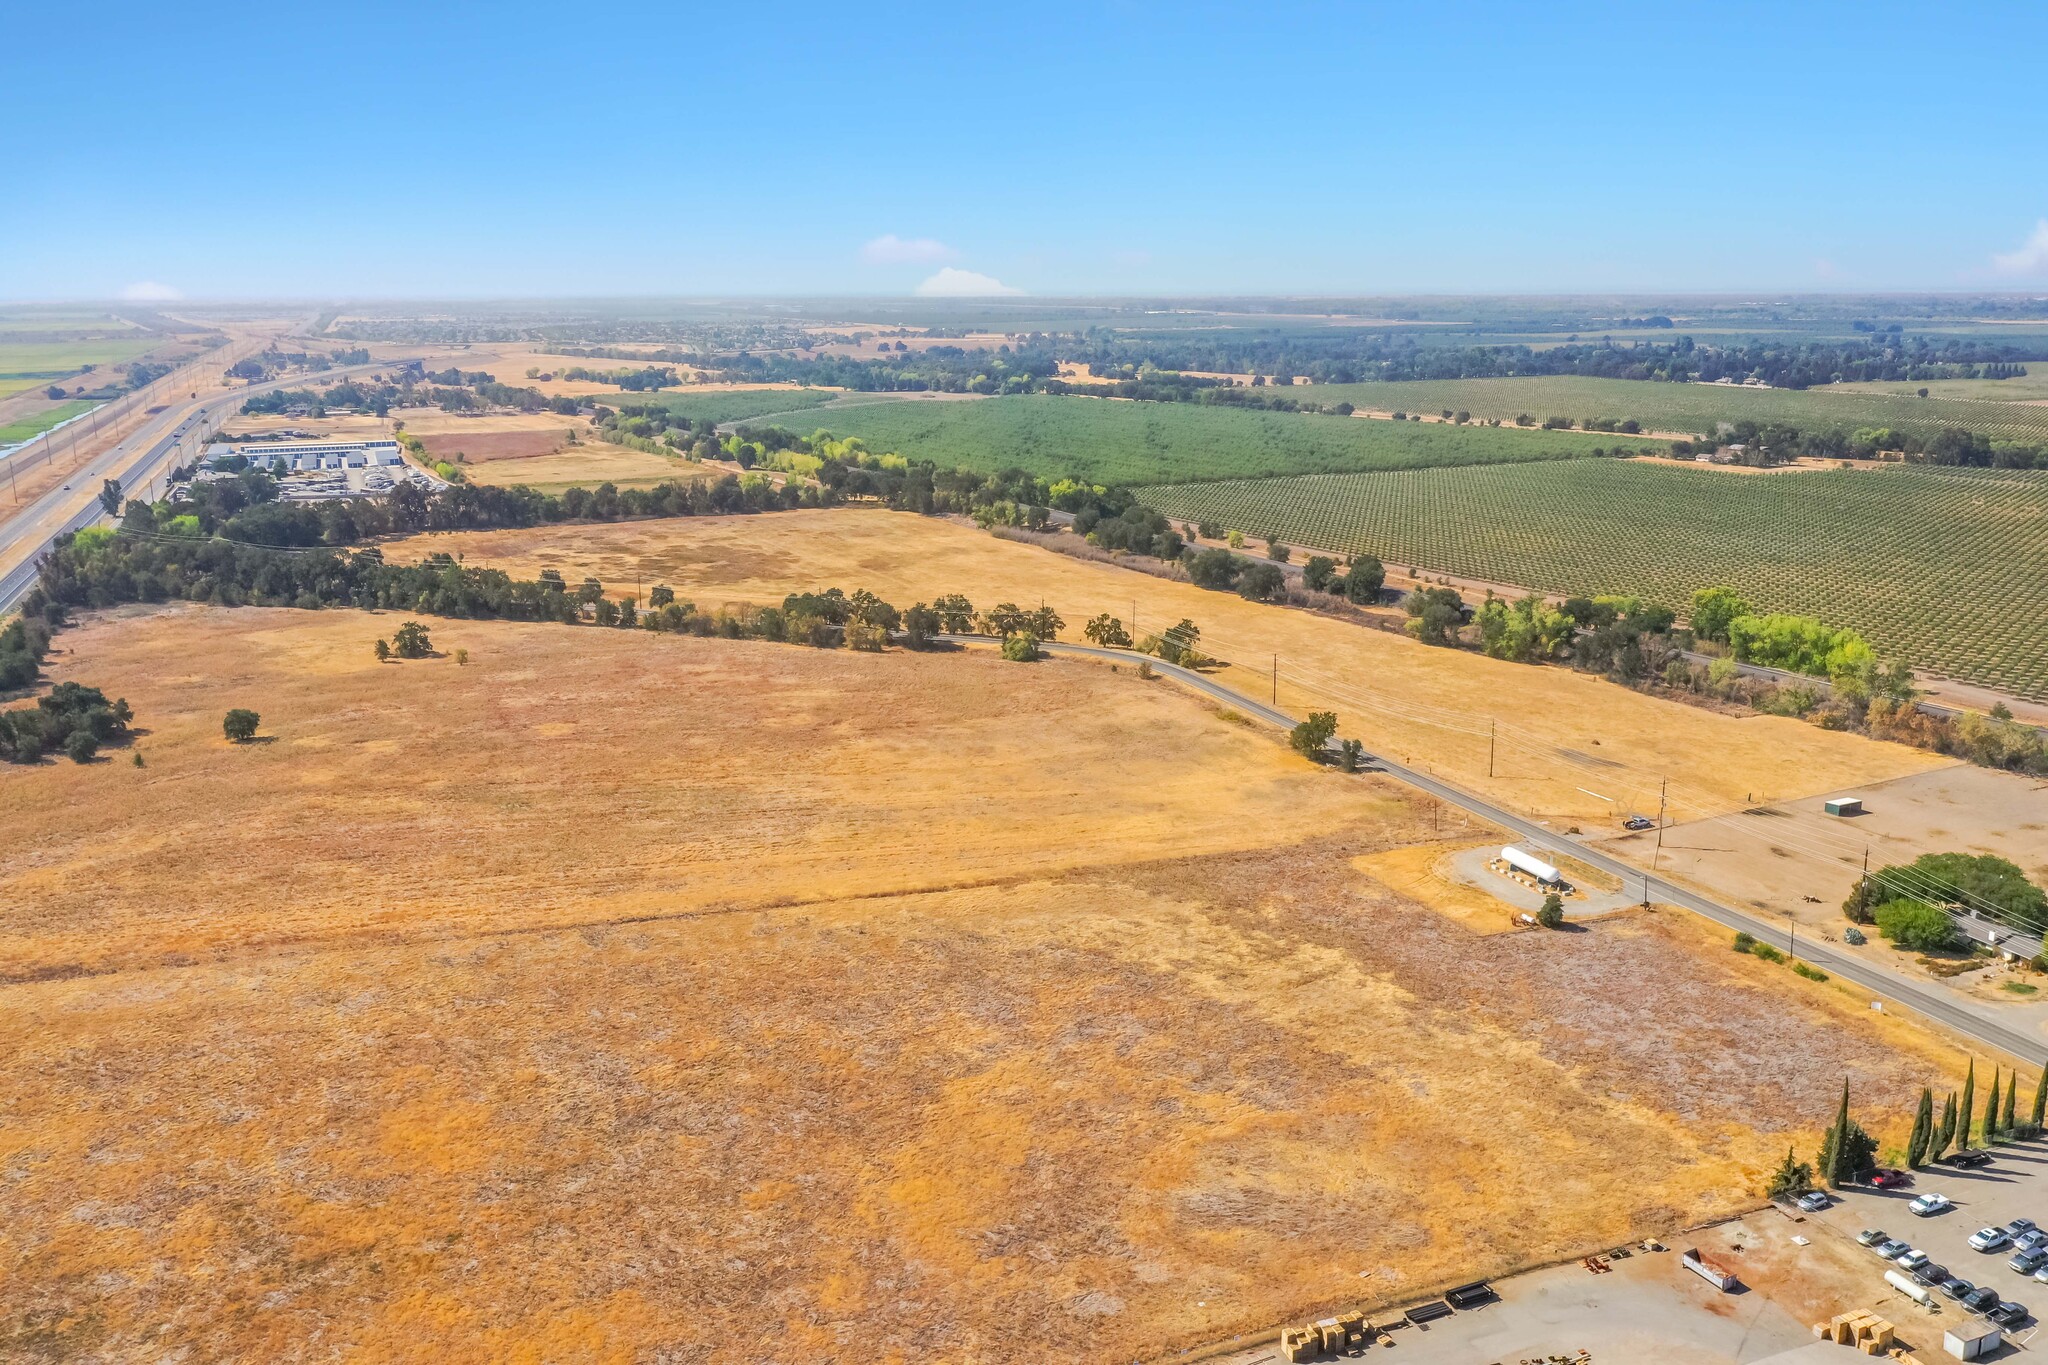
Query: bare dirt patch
[[482, 446], [626, 997]]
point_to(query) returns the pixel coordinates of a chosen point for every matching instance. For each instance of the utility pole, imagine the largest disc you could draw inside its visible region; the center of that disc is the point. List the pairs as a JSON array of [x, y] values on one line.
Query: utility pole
[[1658, 852], [1792, 919], [1276, 680], [1490, 727]]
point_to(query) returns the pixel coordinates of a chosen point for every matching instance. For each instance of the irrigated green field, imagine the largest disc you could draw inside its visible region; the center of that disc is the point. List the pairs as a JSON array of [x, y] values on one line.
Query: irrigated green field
[[734, 405], [65, 357], [1111, 441], [1689, 407], [1946, 569], [25, 428]]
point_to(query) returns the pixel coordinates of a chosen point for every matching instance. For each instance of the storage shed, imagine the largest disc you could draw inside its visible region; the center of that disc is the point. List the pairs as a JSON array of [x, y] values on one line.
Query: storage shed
[[1972, 1340], [1843, 805]]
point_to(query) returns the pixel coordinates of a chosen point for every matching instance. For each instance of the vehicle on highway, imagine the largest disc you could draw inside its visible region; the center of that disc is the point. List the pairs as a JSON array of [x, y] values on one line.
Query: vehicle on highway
[[1870, 1237], [1989, 1239], [1931, 1203], [2027, 1262], [2007, 1314], [1813, 1201], [1956, 1287], [1911, 1261], [1932, 1274], [1977, 1300], [1893, 1249]]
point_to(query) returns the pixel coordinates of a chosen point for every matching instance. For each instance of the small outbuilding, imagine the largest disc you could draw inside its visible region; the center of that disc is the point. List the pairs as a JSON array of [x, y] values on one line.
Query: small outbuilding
[[1843, 805], [1972, 1340]]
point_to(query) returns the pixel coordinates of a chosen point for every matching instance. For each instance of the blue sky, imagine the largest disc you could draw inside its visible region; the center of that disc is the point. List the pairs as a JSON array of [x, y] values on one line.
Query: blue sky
[[235, 151]]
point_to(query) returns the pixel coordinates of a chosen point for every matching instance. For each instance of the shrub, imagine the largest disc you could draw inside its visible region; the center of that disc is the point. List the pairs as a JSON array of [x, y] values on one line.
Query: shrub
[[1810, 973], [1020, 649], [1766, 952], [1551, 916], [240, 724], [80, 745], [1743, 942], [1917, 925]]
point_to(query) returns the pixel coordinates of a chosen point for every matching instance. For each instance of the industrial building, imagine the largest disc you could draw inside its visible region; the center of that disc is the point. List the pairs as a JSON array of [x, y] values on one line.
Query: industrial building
[[303, 457]]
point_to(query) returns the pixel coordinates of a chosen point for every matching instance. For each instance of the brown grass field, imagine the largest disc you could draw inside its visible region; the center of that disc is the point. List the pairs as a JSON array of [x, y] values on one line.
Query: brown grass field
[[1564, 740], [625, 997]]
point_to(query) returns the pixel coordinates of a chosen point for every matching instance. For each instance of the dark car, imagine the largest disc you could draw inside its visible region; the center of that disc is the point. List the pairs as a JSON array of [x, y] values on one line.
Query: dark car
[[1932, 1274], [1979, 1300], [1968, 1159], [1957, 1288], [2007, 1314]]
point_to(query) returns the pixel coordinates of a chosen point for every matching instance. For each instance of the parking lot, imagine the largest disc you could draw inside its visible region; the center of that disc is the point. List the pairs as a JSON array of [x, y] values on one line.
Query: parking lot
[[2014, 1185]]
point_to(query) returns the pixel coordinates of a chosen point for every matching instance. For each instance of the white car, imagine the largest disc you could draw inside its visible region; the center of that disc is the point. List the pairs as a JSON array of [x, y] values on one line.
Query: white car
[[1989, 1239], [1911, 1261], [1929, 1204], [1813, 1201]]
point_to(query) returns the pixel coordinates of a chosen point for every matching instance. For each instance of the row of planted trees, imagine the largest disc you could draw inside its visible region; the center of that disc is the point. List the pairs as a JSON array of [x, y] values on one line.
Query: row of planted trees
[[1848, 1151]]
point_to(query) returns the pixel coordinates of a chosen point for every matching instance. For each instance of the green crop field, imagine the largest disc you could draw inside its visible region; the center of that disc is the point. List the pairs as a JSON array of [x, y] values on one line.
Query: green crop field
[[1689, 407], [1946, 569], [64, 357], [733, 405], [1116, 442], [31, 321], [27, 428]]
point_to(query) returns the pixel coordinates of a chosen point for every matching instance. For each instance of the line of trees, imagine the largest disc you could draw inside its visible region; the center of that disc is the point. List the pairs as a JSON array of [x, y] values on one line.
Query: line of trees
[[71, 719]]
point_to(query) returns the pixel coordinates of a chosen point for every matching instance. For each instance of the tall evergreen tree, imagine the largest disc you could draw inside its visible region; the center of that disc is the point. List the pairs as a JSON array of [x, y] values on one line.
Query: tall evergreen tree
[[1923, 1131], [1991, 1111], [2041, 1103], [1847, 1151], [2008, 1122], [1967, 1115], [1948, 1125]]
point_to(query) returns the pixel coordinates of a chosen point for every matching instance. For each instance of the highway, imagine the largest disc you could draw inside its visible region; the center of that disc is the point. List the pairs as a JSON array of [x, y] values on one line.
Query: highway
[[1950, 1011], [136, 460]]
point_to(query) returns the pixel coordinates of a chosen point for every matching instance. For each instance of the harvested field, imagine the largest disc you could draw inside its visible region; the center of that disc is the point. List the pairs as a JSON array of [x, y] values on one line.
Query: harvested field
[[588, 465], [1558, 732], [478, 447], [627, 997]]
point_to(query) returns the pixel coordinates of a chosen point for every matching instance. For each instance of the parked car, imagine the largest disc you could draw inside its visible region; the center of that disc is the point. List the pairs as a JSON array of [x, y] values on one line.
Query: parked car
[[1929, 1204], [1890, 1180], [2041, 1275], [1813, 1201], [1912, 1260], [1639, 822], [1978, 1300], [1957, 1288], [1989, 1239], [2027, 1262], [2007, 1314], [2030, 1241], [2020, 1227], [1893, 1249], [1870, 1237], [1932, 1274], [1968, 1159]]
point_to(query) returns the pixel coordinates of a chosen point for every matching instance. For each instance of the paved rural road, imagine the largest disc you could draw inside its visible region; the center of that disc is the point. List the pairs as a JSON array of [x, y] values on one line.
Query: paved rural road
[[1951, 1012], [134, 461]]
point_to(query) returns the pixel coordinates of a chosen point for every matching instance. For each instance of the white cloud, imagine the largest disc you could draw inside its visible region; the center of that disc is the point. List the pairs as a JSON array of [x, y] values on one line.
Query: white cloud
[[2030, 259], [889, 249], [148, 291], [963, 284]]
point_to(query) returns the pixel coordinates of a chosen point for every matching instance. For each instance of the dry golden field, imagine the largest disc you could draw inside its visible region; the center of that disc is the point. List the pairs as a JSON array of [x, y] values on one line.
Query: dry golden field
[[1564, 740], [626, 997]]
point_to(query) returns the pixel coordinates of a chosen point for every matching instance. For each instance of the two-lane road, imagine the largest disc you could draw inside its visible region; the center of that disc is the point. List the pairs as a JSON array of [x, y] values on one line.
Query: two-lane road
[[1950, 1011]]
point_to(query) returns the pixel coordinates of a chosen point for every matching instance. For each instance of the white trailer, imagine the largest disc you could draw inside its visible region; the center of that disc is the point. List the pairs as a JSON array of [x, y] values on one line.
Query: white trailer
[[1529, 863]]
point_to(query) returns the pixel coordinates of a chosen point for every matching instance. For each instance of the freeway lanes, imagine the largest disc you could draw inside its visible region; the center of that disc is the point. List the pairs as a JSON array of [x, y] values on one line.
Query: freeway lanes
[[1951, 1012], [136, 461]]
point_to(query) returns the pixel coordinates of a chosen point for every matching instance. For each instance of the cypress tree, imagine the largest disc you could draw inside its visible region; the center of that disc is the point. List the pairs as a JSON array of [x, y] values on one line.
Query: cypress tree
[[1923, 1131], [1832, 1156], [2008, 1122], [1991, 1111], [2041, 1104], [1948, 1125], [1967, 1115]]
